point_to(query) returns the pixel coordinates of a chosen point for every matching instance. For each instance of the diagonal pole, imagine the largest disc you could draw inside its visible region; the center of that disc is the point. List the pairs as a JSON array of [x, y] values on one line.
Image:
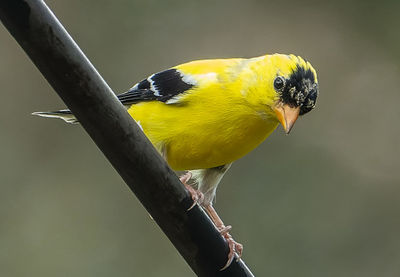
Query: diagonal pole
[[84, 91]]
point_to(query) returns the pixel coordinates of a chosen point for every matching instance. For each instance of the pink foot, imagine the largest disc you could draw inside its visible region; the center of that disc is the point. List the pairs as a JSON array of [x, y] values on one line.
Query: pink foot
[[235, 249], [197, 196]]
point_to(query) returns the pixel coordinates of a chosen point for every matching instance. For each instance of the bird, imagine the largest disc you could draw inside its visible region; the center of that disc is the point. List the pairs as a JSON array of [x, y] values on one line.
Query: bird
[[203, 115]]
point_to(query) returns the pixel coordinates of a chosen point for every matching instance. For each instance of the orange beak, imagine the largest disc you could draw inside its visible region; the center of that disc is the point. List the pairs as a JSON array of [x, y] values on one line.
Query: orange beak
[[287, 115]]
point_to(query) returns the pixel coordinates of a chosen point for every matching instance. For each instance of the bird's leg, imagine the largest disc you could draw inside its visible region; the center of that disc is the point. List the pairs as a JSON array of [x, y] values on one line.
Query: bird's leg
[[215, 174], [234, 247], [197, 196]]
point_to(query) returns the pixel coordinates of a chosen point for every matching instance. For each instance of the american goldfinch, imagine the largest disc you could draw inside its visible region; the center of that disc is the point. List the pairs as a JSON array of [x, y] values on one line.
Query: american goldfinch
[[204, 115]]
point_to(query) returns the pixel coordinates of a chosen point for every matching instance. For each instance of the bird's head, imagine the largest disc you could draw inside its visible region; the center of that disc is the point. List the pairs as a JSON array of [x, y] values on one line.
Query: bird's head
[[295, 86]]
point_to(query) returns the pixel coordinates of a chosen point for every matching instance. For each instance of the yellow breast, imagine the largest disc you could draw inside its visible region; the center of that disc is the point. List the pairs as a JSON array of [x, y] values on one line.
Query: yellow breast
[[207, 129]]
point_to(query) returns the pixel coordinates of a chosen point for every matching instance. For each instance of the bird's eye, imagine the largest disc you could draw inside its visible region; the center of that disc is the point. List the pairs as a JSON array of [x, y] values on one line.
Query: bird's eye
[[279, 82]]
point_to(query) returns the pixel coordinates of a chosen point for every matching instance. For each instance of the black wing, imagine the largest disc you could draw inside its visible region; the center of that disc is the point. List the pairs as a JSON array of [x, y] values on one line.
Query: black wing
[[161, 86]]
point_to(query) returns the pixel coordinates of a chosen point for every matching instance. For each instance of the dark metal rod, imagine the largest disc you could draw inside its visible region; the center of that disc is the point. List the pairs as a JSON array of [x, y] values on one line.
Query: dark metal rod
[[84, 91]]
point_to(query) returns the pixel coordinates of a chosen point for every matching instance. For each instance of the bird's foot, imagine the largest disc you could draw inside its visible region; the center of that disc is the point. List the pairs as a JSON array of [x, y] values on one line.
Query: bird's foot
[[235, 248], [197, 196]]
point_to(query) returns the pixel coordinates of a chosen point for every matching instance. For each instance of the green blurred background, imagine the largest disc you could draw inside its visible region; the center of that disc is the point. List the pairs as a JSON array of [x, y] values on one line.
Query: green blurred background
[[323, 201]]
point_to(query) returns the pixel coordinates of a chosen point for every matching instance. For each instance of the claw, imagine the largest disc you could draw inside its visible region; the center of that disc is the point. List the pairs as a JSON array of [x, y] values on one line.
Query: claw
[[197, 196], [185, 178], [235, 249], [225, 230]]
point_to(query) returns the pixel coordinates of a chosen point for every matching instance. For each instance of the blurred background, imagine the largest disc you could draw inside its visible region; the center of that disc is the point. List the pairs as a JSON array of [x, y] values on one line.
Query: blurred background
[[324, 201]]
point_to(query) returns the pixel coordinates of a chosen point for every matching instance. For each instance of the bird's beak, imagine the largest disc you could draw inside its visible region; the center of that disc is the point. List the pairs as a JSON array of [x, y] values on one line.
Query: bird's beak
[[287, 115]]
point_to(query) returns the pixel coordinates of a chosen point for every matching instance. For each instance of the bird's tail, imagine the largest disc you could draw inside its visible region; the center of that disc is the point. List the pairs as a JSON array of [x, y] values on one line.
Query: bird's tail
[[65, 115]]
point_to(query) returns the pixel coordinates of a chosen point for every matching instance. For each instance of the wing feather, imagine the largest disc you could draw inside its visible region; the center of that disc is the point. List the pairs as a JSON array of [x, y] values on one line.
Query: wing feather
[[162, 86]]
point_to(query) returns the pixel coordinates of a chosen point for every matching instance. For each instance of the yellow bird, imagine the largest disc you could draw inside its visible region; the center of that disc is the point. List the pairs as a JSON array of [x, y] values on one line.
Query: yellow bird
[[204, 115]]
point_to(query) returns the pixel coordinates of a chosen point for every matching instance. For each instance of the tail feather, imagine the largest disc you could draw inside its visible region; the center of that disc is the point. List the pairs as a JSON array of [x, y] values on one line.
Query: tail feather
[[65, 115]]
